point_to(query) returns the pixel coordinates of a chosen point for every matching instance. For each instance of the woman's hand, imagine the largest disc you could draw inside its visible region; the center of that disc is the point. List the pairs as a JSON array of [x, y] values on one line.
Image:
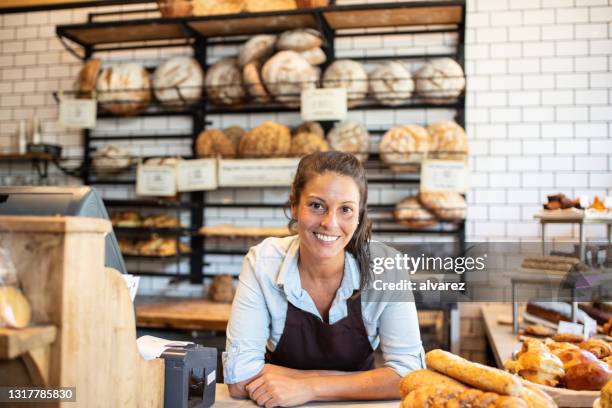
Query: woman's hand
[[276, 390]]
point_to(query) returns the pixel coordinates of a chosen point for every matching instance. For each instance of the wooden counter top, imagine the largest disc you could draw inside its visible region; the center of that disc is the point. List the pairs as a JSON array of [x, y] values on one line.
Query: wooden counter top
[[502, 340], [183, 314]]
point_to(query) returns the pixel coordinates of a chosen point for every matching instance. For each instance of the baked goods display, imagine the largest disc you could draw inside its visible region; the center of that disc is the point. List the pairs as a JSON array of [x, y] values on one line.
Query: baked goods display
[[553, 263], [599, 348], [447, 141], [391, 83], [15, 311], [454, 382], [214, 143], [234, 134], [222, 289], [410, 213], [537, 364], [403, 148], [224, 82], [440, 79], [286, 74], [305, 143], [161, 221], [251, 75], [606, 396], [445, 205], [126, 219], [88, 76], [561, 202], [178, 81], [257, 49], [348, 74], [301, 39], [351, 137], [124, 89], [111, 159], [132, 219], [155, 246], [266, 140]]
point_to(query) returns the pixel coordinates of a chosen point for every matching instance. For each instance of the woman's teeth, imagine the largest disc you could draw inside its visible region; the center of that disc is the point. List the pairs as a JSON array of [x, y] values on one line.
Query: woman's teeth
[[326, 238]]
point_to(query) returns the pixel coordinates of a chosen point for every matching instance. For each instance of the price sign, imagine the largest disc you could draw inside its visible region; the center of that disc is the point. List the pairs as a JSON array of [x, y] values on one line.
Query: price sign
[[257, 172], [196, 175], [571, 328], [324, 104], [78, 113], [444, 175], [156, 180], [590, 326]]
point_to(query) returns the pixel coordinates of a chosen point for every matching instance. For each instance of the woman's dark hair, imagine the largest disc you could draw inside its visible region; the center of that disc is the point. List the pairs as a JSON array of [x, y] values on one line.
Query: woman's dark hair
[[344, 164]]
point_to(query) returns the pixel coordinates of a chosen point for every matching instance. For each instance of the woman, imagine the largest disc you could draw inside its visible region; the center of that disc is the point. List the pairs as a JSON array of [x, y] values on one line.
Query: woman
[[299, 329]]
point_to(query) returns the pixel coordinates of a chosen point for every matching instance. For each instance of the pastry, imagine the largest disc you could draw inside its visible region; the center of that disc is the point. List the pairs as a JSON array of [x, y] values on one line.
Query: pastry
[[123, 219], [124, 89], [127, 246], [215, 7], [410, 213], [439, 80], [286, 75], [300, 39], [606, 396], [571, 357], [222, 289], [234, 134], [474, 374], [350, 137], [314, 56], [592, 375], [266, 140], [310, 127], [600, 348], [257, 6], [178, 81], [535, 397], [350, 75], [88, 76], [111, 159], [558, 347], [391, 83], [568, 338], [403, 148], [175, 8], [251, 75], [257, 49], [538, 366], [305, 143], [213, 143], [539, 330], [224, 82], [15, 311], [445, 205], [447, 141]]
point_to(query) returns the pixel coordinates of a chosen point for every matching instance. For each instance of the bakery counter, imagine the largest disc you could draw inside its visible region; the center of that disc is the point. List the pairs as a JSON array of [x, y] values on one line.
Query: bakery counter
[[223, 400], [501, 338]]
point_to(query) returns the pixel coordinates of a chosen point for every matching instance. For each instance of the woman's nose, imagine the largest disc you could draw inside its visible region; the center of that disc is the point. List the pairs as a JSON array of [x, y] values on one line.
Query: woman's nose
[[329, 220]]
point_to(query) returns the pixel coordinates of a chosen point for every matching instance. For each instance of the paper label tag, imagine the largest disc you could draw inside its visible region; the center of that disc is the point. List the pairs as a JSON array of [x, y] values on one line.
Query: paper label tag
[[590, 326], [196, 175], [324, 104], [444, 175], [78, 113], [571, 328], [153, 180], [211, 377], [257, 172]]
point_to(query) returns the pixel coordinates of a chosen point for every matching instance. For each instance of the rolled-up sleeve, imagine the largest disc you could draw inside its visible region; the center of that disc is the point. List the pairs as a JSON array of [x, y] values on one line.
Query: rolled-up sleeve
[[248, 328], [400, 338]]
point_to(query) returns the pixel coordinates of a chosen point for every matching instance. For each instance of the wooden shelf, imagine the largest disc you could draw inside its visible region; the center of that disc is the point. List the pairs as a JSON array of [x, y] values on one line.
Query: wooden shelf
[[244, 232], [193, 314], [25, 156], [15, 342]]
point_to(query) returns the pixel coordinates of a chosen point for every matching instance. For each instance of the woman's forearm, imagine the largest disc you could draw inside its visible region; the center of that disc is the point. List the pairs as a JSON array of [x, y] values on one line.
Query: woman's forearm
[[381, 383]]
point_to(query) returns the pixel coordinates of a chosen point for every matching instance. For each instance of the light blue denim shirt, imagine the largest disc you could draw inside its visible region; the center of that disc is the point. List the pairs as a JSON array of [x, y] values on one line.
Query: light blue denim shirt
[[270, 278]]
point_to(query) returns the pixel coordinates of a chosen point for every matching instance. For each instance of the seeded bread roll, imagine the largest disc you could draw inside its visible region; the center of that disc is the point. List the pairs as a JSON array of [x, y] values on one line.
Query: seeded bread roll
[[350, 137], [213, 143], [350, 75], [306, 143], [215, 7], [439, 80], [410, 213], [251, 74], [391, 83], [86, 81], [286, 74], [301, 39], [446, 205], [258, 48], [403, 148], [447, 141], [178, 80], [266, 140], [124, 89], [224, 82]]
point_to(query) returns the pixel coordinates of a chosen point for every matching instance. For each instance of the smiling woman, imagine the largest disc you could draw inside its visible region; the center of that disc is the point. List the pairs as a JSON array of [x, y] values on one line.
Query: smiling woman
[[300, 330]]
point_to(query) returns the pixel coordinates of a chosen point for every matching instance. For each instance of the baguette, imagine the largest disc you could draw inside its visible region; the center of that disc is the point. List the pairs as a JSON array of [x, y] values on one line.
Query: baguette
[[423, 378], [474, 374], [535, 397]]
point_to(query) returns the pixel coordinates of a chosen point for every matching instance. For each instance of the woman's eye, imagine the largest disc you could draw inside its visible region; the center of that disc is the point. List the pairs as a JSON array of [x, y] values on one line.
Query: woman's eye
[[347, 210], [316, 206]]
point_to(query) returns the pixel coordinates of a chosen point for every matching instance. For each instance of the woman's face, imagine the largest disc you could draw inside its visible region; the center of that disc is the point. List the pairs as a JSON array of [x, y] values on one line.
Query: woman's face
[[327, 214]]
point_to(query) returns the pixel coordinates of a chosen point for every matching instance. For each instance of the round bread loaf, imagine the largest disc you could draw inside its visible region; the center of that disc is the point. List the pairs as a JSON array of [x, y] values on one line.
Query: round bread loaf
[[391, 83], [447, 141], [15, 311], [251, 75], [439, 80], [88, 75], [300, 39], [222, 289], [178, 81], [350, 75], [446, 205], [258, 48], [175, 8], [210, 8], [310, 127], [306, 143], [124, 89], [111, 159], [403, 148], [213, 143], [266, 140], [257, 6], [351, 137], [224, 82], [286, 74], [592, 376], [234, 134], [410, 213], [314, 56]]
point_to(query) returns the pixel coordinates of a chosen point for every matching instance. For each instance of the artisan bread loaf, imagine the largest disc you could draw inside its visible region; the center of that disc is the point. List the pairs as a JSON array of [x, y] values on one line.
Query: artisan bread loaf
[[423, 378], [251, 74], [175, 8], [234, 134], [300, 39], [88, 76], [314, 56], [402, 148], [286, 74], [439, 80], [391, 83], [111, 159], [213, 143], [215, 7], [446, 205], [350, 137], [447, 141], [258, 6], [224, 82], [222, 289], [305, 143], [257, 48], [310, 127], [266, 140], [350, 75], [124, 89], [410, 213], [178, 81]]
